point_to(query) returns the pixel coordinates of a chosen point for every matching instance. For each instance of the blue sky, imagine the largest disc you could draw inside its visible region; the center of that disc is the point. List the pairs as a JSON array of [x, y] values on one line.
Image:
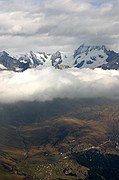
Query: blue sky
[[51, 25]]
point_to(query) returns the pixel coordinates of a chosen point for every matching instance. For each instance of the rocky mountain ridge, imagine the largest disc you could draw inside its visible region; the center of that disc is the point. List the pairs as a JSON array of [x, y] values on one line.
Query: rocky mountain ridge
[[84, 57]]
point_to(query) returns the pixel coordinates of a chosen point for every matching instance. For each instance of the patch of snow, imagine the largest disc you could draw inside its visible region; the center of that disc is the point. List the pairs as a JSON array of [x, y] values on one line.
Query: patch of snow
[[2, 67], [96, 57]]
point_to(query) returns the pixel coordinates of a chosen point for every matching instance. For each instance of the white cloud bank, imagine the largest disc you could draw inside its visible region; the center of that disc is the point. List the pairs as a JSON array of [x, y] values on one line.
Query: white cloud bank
[[49, 83]]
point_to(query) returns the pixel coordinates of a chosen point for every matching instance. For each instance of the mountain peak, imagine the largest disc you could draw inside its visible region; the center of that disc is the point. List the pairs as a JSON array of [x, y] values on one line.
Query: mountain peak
[[87, 48], [4, 53]]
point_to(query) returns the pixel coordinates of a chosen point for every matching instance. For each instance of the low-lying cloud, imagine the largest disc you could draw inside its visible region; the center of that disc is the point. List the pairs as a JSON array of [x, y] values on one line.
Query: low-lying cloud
[[49, 83]]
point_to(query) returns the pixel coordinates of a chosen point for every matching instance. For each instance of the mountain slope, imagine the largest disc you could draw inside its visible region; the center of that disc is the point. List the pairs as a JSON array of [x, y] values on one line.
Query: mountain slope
[[7, 61], [60, 139]]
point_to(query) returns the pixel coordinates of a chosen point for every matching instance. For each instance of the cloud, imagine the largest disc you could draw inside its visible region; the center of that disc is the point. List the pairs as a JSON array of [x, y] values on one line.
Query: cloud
[[48, 83], [42, 23]]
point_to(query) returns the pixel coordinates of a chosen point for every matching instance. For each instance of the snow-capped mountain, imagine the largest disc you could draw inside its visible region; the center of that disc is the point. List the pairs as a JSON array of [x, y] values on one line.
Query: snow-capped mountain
[[95, 57], [34, 59], [41, 58], [8, 61], [84, 57], [29, 60]]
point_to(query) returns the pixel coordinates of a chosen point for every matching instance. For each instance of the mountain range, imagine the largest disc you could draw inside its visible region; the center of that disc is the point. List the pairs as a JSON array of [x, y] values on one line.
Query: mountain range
[[85, 56]]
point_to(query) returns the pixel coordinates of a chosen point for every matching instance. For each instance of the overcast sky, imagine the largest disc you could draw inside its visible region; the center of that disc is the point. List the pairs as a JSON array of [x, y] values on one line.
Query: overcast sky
[[50, 25]]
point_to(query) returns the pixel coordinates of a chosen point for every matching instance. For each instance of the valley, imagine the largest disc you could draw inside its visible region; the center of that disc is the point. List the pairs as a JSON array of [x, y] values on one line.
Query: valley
[[60, 139]]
